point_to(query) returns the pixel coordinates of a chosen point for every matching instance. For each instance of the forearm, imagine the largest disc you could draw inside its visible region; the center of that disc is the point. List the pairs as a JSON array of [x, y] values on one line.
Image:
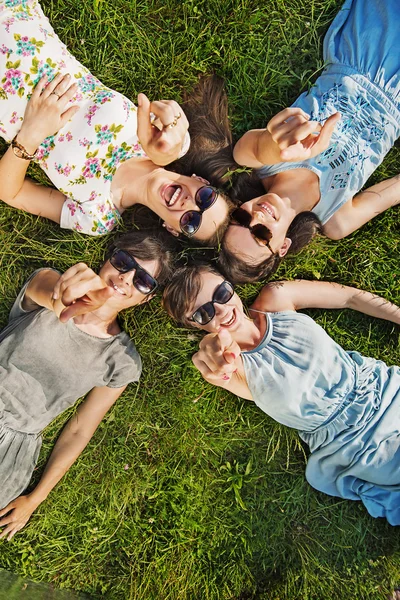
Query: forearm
[[363, 207], [373, 305], [379, 197], [68, 447], [256, 148], [12, 175]]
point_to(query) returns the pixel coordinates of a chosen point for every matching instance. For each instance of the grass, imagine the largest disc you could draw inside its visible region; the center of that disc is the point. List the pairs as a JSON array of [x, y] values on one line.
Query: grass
[[187, 492]]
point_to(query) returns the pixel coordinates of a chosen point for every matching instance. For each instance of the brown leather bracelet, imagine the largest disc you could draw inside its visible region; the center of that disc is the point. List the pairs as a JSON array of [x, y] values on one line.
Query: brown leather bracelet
[[20, 151]]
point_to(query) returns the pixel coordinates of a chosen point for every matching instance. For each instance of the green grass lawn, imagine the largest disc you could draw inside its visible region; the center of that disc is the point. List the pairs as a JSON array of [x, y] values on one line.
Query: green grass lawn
[[187, 492]]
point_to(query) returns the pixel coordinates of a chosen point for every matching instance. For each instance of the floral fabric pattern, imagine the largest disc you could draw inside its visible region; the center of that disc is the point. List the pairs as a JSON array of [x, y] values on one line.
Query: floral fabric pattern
[[82, 158]]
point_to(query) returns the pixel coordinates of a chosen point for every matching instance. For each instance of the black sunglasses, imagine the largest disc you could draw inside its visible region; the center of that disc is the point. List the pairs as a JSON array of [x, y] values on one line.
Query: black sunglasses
[[123, 261], [191, 220], [206, 312], [260, 232]]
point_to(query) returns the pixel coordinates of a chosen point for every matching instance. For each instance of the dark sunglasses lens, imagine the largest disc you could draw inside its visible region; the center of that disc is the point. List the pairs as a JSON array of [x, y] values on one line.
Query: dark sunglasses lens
[[204, 314], [190, 222], [205, 197], [262, 233], [223, 293], [144, 282], [242, 217], [122, 261]]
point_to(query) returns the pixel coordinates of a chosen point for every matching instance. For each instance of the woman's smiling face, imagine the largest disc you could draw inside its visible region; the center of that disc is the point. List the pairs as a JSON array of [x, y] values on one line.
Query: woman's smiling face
[[171, 195], [271, 211], [228, 316], [126, 295]]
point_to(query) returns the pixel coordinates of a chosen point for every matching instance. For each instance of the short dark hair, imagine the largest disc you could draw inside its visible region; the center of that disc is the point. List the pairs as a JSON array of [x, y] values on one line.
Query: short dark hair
[[303, 228], [181, 292], [149, 244]]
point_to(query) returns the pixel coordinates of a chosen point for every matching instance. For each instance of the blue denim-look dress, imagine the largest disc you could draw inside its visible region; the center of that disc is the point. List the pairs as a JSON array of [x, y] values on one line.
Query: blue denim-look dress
[[362, 82], [346, 408]]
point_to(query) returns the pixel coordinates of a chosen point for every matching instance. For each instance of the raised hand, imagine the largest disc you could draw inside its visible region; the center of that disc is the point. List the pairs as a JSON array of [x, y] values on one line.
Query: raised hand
[[15, 515], [297, 137], [81, 290], [46, 111], [161, 138], [218, 357]]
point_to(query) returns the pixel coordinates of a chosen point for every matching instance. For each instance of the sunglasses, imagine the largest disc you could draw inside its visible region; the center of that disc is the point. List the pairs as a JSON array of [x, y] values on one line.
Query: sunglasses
[[260, 232], [191, 220], [206, 312], [142, 280]]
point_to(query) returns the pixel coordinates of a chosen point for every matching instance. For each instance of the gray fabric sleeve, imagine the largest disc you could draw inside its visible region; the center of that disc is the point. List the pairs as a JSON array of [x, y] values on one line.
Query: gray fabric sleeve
[[17, 310], [128, 365]]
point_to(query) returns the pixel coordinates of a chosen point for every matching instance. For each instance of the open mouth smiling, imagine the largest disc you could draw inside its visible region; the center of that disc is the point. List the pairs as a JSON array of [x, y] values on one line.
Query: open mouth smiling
[[117, 289], [229, 322], [267, 208], [171, 194]]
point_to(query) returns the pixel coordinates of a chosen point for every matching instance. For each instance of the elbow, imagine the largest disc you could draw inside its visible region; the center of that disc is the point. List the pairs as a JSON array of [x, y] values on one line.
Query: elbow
[[335, 231]]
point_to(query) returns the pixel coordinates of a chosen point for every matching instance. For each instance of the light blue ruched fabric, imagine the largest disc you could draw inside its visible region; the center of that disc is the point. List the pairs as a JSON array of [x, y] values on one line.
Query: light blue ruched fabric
[[346, 408], [362, 82]]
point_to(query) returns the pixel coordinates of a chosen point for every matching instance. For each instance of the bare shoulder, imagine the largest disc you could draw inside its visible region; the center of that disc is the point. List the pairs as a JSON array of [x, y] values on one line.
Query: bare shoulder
[[274, 297]]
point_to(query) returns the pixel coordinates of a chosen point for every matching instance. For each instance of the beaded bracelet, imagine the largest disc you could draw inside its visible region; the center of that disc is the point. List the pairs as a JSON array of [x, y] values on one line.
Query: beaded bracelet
[[20, 151]]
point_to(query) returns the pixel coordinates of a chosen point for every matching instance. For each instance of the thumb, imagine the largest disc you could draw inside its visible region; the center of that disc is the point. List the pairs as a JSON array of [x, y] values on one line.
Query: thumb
[[143, 118], [230, 349], [86, 304], [327, 130]]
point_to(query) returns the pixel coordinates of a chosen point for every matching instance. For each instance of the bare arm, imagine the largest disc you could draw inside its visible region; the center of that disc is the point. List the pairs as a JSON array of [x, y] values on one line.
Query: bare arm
[[73, 440], [295, 295], [78, 291], [45, 114], [363, 207]]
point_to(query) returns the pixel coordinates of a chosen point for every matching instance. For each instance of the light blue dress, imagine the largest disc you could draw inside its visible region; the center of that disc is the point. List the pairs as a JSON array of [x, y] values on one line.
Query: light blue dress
[[346, 408], [362, 82]]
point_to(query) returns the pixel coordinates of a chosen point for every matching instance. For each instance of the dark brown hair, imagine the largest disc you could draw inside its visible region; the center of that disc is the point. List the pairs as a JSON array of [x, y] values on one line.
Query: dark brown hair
[[303, 228], [149, 244], [181, 292], [211, 149]]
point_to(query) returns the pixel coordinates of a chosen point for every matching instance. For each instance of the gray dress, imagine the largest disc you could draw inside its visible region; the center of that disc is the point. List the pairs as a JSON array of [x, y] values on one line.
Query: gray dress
[[45, 366]]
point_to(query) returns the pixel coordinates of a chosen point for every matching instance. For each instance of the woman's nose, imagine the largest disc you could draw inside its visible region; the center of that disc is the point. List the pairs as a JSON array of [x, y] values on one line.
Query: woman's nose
[[127, 277]]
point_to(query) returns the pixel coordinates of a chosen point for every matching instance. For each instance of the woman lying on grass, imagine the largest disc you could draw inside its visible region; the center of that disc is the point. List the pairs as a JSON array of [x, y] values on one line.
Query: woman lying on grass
[[90, 149], [54, 351], [346, 407], [314, 157]]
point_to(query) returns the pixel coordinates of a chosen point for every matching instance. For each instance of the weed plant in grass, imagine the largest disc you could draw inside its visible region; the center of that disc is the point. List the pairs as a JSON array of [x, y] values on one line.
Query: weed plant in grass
[[186, 491]]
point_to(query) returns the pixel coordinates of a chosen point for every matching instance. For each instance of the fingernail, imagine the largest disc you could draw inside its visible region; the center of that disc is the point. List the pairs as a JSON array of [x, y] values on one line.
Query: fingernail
[[232, 354], [225, 378], [55, 296]]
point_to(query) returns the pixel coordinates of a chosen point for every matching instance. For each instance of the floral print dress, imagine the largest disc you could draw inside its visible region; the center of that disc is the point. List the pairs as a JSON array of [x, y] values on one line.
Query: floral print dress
[[83, 156]]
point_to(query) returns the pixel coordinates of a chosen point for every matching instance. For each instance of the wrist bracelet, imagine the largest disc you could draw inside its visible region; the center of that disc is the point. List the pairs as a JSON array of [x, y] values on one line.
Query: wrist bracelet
[[20, 151]]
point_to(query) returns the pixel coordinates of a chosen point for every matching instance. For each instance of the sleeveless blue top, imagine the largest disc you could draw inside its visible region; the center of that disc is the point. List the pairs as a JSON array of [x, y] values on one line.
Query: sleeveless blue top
[[345, 406], [362, 82]]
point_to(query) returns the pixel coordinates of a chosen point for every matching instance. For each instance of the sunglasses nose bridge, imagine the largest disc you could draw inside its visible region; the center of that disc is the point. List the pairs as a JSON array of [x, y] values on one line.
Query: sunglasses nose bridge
[[127, 276]]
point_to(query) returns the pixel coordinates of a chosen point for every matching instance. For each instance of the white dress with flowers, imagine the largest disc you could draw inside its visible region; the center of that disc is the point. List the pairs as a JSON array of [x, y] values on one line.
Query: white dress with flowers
[[83, 156]]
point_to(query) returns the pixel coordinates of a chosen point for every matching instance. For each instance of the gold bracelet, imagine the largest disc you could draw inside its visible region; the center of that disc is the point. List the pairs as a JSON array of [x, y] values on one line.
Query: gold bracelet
[[20, 151]]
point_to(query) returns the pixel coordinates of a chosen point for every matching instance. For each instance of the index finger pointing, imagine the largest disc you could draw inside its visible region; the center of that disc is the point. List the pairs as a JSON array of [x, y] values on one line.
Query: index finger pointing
[[283, 115]]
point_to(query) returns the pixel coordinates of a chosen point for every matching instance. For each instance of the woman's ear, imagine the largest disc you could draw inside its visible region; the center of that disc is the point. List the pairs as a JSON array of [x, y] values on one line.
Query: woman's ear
[[201, 179], [283, 250], [170, 229]]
